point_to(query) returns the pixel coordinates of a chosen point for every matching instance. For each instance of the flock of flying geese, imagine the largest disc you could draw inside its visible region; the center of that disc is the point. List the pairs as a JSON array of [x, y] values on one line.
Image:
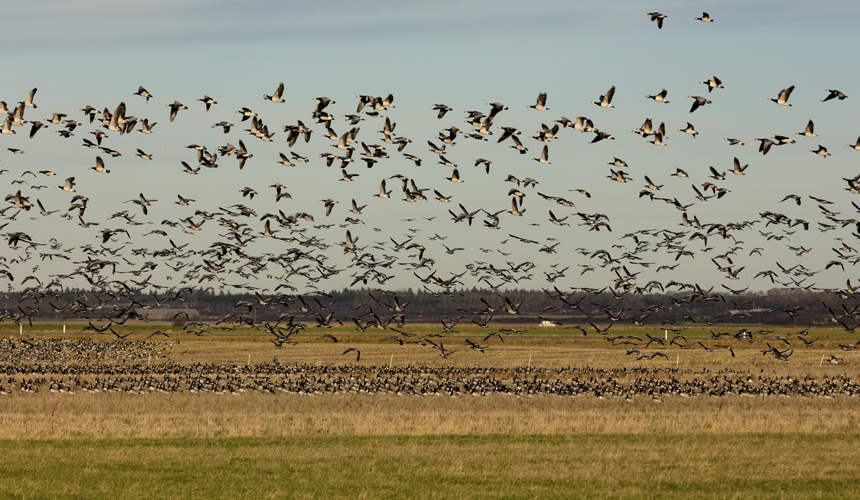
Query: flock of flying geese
[[121, 263]]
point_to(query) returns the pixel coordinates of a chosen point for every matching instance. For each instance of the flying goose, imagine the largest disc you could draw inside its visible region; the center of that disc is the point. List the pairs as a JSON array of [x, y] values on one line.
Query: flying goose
[[208, 101], [713, 83], [69, 185], [544, 156], [782, 99], [833, 94], [276, 97], [738, 169], [146, 128], [809, 130], [7, 125], [174, 109], [606, 99], [765, 145], [689, 130], [28, 101], [100, 166], [143, 93], [822, 151], [143, 156], [540, 105], [705, 18], [734, 142], [699, 101], [656, 16], [455, 176], [856, 145], [661, 97], [329, 205]]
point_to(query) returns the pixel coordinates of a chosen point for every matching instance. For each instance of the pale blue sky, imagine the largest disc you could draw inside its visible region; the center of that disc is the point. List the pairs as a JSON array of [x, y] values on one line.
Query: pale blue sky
[[464, 54]]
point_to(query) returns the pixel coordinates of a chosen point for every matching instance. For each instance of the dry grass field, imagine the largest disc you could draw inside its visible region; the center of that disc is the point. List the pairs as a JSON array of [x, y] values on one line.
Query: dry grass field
[[388, 444]]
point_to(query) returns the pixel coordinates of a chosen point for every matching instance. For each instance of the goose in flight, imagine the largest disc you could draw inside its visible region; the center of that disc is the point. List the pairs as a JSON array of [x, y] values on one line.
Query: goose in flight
[[540, 105], [544, 156], [782, 98], [661, 97], [606, 99], [329, 205], [208, 101], [833, 95], [809, 131], [689, 130], [713, 83], [100, 166], [142, 92], [28, 101], [276, 97], [656, 16], [146, 128], [738, 169], [699, 101], [7, 126], [69, 186], [705, 18], [822, 151], [174, 109], [455, 176], [856, 145], [765, 145], [734, 142], [441, 108]]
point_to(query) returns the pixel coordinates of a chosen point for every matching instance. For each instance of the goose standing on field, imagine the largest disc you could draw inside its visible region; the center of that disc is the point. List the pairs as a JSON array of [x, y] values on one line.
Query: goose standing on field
[[810, 127], [540, 105], [606, 99], [782, 98], [834, 94], [143, 93], [661, 97], [705, 18], [713, 83], [276, 97], [174, 109], [656, 16], [822, 151]]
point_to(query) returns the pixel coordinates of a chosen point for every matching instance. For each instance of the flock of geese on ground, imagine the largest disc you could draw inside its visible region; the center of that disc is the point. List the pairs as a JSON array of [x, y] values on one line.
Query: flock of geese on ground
[[232, 246], [82, 371]]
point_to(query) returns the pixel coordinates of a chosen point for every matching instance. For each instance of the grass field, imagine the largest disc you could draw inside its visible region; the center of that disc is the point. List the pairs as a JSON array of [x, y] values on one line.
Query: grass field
[[255, 445], [580, 465]]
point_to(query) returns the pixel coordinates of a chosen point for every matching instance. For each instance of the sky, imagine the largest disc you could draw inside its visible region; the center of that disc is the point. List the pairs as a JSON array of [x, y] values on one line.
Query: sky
[[464, 54]]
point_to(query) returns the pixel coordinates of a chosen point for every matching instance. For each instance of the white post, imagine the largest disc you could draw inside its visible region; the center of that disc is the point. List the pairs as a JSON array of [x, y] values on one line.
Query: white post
[[20, 328], [64, 328], [822, 360], [677, 360], [666, 333], [391, 361], [249, 359], [530, 360], [148, 361]]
